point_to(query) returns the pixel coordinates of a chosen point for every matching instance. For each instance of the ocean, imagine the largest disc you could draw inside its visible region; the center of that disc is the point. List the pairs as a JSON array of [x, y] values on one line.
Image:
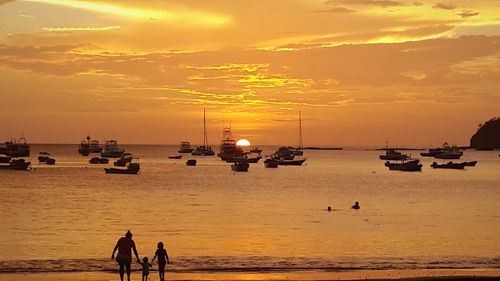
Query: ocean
[[68, 217]]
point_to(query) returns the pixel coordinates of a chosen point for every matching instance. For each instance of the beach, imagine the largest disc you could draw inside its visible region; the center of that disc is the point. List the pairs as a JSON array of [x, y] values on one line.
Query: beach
[[406, 275]]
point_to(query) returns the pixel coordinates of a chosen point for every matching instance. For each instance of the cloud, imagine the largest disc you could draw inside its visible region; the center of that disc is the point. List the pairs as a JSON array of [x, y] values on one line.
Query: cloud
[[178, 15], [337, 10], [444, 6], [380, 3], [467, 13], [81, 28]]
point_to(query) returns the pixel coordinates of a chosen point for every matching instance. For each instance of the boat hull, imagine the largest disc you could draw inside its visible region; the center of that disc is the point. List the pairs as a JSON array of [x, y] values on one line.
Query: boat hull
[[291, 162], [240, 167]]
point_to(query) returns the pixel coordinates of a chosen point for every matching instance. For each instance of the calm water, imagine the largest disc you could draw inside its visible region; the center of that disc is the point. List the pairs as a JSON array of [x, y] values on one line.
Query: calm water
[[68, 217]]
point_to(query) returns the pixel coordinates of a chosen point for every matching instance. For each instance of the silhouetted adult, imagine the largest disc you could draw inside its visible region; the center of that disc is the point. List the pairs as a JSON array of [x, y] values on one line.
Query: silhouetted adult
[[125, 245]]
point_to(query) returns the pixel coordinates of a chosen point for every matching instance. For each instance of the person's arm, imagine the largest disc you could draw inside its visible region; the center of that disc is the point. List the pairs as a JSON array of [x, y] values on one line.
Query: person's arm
[[166, 255], [114, 250], [156, 254], [135, 252]]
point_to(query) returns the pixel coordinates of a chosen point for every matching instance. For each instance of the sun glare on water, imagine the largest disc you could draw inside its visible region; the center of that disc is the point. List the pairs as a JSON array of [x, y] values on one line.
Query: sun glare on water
[[243, 142]]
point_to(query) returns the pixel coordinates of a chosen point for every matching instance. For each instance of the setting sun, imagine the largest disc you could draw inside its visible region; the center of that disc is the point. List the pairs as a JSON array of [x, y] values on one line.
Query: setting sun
[[243, 142]]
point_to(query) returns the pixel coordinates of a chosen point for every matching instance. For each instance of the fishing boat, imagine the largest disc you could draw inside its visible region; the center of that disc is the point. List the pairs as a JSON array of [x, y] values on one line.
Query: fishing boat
[[295, 162], [432, 152], [412, 165], [284, 152], [175, 157], [271, 163], [191, 162], [94, 146], [16, 164], [112, 150], [449, 165], [204, 150], [392, 154], [449, 152], [244, 158], [240, 166], [124, 160], [50, 161], [97, 160], [470, 163], [16, 148], [228, 148], [84, 147], [185, 147], [132, 168], [43, 156]]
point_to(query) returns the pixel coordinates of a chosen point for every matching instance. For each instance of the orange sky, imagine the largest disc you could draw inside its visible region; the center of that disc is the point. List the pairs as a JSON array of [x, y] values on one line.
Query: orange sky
[[415, 73]]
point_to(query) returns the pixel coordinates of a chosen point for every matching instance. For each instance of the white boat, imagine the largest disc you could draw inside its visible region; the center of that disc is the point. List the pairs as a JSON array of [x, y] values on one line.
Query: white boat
[[185, 147], [95, 147], [449, 152], [228, 148], [112, 150]]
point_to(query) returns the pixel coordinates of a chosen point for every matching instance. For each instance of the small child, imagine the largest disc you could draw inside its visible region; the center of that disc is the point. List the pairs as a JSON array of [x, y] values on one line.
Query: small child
[[145, 268], [162, 255]]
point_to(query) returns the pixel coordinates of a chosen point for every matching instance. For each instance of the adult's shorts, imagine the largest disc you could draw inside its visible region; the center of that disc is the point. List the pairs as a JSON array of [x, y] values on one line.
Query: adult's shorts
[[123, 259]]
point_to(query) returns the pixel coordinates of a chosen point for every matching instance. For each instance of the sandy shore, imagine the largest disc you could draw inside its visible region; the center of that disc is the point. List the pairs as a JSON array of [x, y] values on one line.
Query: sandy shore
[[430, 274]]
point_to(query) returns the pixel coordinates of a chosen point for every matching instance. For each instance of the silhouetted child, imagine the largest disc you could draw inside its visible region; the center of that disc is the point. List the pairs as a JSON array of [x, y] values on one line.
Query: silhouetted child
[[162, 255], [145, 268], [356, 206]]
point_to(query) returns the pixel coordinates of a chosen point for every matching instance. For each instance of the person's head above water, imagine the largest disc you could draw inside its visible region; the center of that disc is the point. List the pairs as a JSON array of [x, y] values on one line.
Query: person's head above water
[[160, 245], [145, 259], [128, 234]]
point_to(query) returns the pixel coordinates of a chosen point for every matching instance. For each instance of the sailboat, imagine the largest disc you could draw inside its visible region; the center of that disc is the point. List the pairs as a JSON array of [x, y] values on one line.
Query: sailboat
[[204, 150], [298, 151]]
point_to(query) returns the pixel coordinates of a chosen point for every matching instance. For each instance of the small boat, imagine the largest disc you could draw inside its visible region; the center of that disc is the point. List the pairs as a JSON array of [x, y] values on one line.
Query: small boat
[[407, 166], [191, 162], [185, 147], [244, 158], [449, 152], [285, 162], [43, 157], [240, 166], [392, 154], [124, 159], [132, 169], [16, 164], [50, 161], [94, 147], [97, 160], [5, 159], [175, 157], [84, 147], [449, 165], [111, 150], [256, 150], [271, 163]]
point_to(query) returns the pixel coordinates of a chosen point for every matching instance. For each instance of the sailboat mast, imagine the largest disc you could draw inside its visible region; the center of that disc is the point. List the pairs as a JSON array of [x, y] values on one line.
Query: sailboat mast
[[300, 130], [205, 140]]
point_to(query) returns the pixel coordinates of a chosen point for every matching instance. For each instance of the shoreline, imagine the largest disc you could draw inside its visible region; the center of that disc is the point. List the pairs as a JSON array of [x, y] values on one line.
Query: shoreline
[[403, 275]]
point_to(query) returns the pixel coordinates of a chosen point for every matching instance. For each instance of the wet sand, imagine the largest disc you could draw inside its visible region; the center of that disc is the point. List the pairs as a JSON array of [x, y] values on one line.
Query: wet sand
[[410, 275]]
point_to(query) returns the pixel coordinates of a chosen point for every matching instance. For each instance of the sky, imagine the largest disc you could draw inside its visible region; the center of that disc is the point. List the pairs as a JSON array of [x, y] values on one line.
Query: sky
[[361, 72]]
